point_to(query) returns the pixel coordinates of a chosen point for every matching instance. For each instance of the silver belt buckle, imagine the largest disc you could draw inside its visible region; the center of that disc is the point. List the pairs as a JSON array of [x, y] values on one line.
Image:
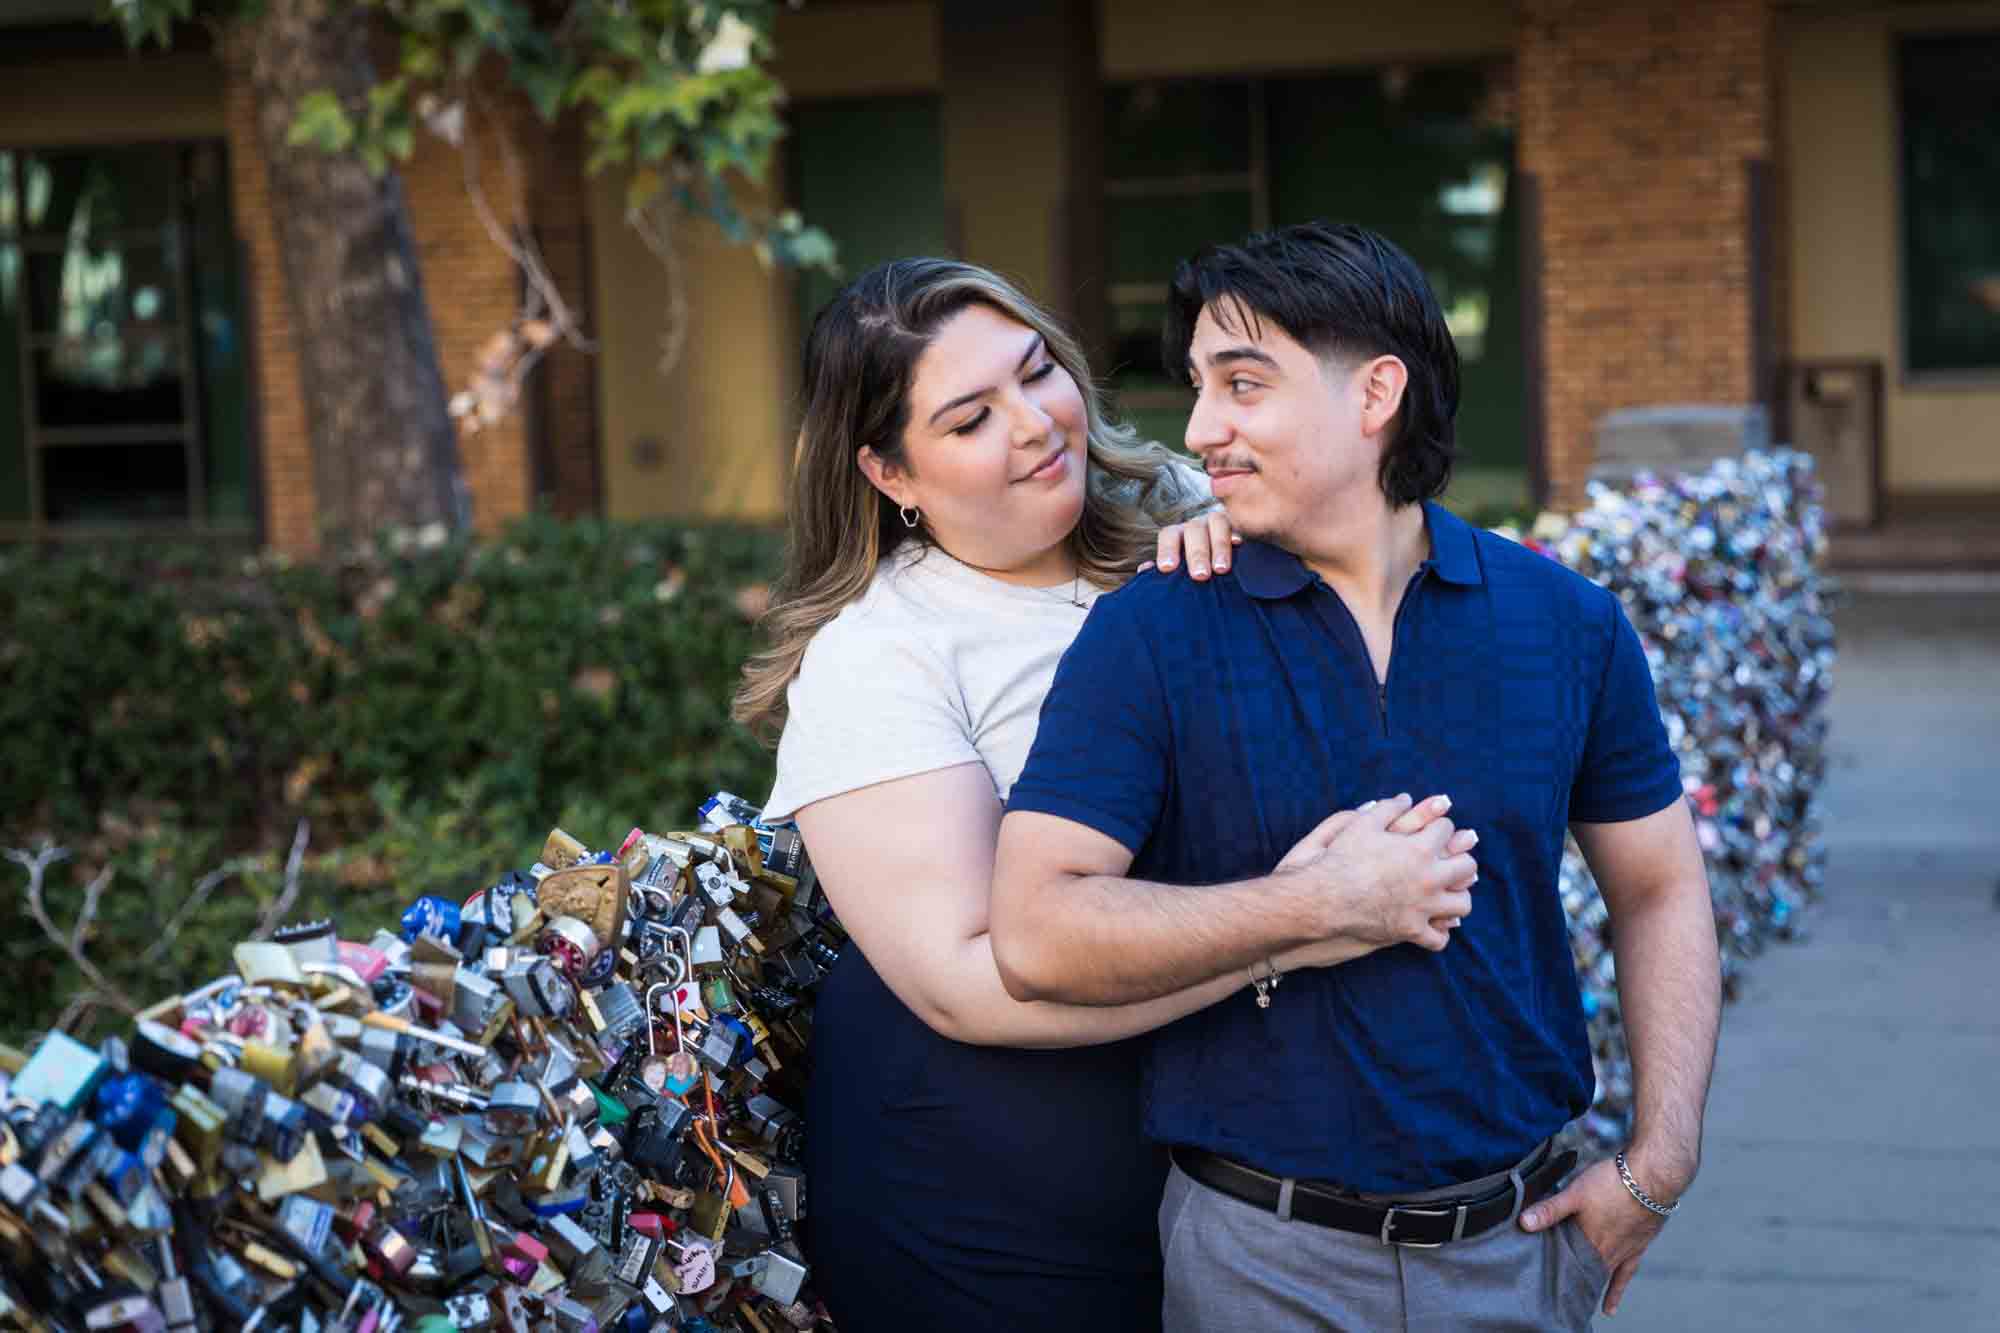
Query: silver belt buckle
[[1389, 1221]]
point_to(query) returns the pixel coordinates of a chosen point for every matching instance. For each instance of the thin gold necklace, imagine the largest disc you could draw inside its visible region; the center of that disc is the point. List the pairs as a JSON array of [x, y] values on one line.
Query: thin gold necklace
[[1075, 587]]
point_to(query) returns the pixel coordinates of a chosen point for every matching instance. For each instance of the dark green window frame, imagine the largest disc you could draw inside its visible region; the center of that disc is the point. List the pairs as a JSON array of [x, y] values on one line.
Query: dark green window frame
[[51, 432], [1948, 86]]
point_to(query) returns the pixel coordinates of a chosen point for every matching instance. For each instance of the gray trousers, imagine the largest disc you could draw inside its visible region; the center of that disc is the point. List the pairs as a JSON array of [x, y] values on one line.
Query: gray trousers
[[1231, 1266]]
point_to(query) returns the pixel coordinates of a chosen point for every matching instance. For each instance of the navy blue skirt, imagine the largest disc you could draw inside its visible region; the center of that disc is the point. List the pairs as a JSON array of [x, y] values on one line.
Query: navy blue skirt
[[971, 1187]]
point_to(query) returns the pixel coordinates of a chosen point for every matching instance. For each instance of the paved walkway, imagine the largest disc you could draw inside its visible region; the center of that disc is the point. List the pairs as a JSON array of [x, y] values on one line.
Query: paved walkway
[[1851, 1179]]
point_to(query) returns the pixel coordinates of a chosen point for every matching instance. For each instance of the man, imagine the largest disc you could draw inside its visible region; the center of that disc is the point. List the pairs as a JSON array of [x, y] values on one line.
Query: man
[[1370, 1148]]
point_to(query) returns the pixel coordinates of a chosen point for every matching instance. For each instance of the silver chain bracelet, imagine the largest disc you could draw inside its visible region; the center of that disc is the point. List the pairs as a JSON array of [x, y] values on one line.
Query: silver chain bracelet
[[1645, 1199]]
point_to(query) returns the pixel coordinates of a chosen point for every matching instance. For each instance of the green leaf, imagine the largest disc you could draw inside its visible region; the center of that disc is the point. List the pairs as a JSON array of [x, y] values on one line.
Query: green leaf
[[809, 248], [321, 122], [545, 85], [597, 84], [421, 58], [399, 140], [384, 99]]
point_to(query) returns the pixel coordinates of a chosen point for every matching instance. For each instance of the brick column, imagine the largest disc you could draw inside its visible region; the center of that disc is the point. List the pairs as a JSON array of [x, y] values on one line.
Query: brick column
[[284, 451], [1637, 120]]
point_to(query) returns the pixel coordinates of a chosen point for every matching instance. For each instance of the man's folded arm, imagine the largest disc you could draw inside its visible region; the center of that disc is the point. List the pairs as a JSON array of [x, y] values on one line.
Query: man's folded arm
[[1069, 925]]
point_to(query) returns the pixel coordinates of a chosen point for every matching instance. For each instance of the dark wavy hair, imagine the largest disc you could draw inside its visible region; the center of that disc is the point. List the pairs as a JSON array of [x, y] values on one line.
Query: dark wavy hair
[[1345, 294]]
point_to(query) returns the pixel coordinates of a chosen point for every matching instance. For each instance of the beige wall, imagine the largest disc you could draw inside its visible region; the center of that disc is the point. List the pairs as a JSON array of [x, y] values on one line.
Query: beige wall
[[1163, 38], [1841, 166], [128, 99], [852, 50], [721, 418], [720, 424]]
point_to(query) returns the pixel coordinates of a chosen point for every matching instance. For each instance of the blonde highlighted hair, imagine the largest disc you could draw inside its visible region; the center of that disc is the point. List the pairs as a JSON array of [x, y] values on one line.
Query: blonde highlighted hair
[[860, 359]]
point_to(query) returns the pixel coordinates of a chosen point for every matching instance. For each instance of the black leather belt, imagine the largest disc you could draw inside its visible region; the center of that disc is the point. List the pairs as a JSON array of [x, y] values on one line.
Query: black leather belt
[[1423, 1225]]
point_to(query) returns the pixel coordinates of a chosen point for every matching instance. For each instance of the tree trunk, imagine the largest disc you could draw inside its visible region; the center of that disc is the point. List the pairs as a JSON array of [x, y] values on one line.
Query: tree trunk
[[385, 450]]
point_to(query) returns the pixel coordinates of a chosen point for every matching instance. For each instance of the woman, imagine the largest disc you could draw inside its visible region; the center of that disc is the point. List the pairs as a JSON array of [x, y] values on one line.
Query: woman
[[958, 503]]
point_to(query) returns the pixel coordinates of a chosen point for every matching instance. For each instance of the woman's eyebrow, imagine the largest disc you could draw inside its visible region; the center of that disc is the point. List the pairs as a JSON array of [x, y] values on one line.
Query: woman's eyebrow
[[1034, 345]]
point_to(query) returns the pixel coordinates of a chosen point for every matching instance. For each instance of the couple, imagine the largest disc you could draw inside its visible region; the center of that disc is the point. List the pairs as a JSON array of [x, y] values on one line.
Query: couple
[[1169, 989]]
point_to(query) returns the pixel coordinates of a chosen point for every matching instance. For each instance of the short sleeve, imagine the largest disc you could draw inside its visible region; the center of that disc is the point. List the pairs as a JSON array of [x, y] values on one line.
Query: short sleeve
[[1628, 769], [870, 704], [1101, 752]]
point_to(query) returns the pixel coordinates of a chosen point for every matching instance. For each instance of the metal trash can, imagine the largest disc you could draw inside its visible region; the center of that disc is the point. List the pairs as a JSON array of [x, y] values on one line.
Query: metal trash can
[[1833, 411]]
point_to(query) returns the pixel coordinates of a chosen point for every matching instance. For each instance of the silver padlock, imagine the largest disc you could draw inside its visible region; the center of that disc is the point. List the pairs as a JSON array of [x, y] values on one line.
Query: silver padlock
[[475, 1000], [470, 1310], [511, 1109], [781, 1278]]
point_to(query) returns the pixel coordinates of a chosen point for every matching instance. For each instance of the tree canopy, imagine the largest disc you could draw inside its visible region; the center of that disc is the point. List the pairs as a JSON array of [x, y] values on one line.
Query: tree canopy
[[676, 90]]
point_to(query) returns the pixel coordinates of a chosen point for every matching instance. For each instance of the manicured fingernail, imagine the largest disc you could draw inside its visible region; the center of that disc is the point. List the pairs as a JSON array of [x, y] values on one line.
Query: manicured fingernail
[[1532, 1218], [1235, 539], [1473, 835], [1365, 805], [1222, 566], [1441, 802], [1166, 564], [1402, 796]]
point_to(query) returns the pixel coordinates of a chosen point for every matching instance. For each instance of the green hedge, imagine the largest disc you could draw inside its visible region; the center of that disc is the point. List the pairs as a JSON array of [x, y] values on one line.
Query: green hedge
[[431, 712]]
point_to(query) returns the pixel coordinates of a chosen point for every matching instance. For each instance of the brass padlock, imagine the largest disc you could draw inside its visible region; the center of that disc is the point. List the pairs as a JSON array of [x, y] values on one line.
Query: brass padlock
[[709, 1215], [596, 895]]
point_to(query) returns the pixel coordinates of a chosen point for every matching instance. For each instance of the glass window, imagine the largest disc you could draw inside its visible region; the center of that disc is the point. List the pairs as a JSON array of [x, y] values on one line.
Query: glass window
[[1423, 155], [1951, 202], [121, 376]]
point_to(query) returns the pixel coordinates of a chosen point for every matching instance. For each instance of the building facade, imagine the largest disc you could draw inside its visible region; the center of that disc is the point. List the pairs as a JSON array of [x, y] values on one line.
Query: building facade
[[1788, 212]]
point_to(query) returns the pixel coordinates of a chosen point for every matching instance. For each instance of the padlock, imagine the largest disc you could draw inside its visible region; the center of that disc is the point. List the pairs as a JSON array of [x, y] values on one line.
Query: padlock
[[536, 988], [597, 895], [782, 1276], [511, 1109], [709, 1215], [571, 945], [307, 1221], [716, 883], [655, 1141], [475, 1000], [470, 1311]]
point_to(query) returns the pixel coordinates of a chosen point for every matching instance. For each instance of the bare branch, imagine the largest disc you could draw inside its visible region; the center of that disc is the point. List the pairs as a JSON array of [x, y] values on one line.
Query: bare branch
[[80, 1004], [93, 893], [37, 863], [517, 245], [205, 886], [653, 221], [290, 893]]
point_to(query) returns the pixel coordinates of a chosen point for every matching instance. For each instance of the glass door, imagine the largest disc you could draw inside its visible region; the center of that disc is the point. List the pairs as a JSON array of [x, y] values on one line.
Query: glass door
[[118, 342]]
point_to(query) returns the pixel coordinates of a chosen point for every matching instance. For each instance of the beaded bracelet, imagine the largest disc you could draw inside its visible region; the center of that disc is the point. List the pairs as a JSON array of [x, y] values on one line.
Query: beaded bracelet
[[1645, 1199]]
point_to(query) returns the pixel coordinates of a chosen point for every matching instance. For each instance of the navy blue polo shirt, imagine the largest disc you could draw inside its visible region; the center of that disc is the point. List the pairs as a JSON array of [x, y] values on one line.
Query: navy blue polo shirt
[[1209, 726]]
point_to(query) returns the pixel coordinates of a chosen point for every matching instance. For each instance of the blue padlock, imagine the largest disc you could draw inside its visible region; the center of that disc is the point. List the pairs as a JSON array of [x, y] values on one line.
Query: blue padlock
[[431, 915]]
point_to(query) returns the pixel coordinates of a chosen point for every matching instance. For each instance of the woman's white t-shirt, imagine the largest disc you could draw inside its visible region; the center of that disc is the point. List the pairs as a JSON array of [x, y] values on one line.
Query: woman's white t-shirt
[[935, 665]]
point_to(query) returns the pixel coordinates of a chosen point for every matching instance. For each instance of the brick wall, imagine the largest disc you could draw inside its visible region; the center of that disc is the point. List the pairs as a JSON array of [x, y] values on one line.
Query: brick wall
[[1637, 119], [285, 456], [473, 289]]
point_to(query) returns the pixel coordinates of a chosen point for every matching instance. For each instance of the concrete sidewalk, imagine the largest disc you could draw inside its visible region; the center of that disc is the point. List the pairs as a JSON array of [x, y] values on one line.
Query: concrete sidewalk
[[1851, 1179]]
